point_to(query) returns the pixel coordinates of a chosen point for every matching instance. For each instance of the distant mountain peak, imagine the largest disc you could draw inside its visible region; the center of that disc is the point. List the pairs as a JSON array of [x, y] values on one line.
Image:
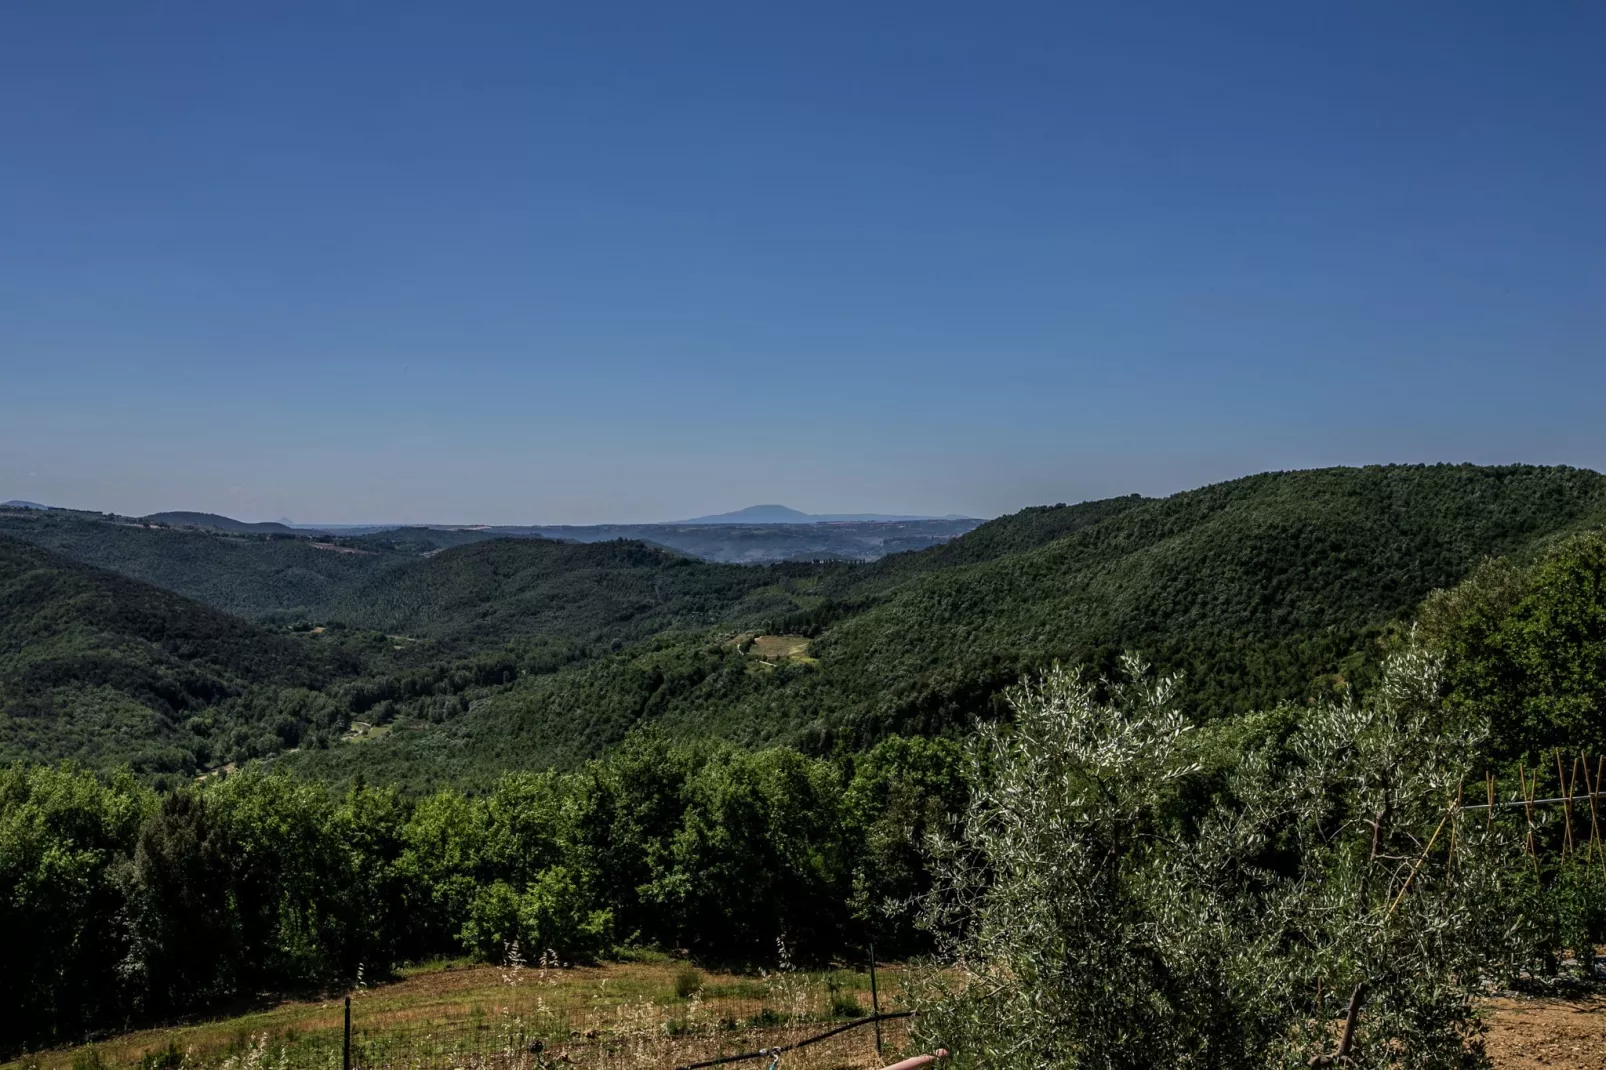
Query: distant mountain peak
[[18, 503], [755, 514]]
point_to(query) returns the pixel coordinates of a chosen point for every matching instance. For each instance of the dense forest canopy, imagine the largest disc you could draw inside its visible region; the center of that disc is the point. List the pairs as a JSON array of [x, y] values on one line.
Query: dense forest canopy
[[249, 575], [108, 670], [454, 665]]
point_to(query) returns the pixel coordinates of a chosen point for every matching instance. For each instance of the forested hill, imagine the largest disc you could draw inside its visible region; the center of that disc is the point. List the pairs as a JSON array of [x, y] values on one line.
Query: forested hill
[[1026, 530], [508, 653], [251, 575], [100, 667], [1260, 590], [214, 522], [1265, 589], [488, 592]]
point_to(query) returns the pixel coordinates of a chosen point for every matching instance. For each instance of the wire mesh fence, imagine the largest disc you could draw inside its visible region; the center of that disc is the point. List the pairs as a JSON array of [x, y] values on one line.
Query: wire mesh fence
[[711, 1022], [539, 1017]]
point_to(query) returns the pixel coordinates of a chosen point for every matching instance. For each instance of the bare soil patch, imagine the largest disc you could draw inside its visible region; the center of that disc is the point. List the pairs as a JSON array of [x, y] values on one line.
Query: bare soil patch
[[1529, 1033]]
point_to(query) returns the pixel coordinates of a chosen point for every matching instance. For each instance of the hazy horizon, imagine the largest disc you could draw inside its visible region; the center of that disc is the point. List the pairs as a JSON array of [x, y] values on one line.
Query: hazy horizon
[[625, 264], [423, 518]]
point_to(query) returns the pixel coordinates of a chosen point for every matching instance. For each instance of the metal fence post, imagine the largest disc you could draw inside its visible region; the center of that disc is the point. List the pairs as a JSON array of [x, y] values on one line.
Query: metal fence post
[[875, 1001], [345, 1053]]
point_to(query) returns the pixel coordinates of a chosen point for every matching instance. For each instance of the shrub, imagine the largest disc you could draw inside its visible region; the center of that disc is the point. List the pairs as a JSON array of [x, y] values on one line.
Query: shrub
[[844, 1002], [688, 982]]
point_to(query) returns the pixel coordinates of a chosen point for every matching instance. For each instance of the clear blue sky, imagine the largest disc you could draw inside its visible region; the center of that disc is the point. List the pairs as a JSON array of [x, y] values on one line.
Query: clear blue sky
[[600, 262]]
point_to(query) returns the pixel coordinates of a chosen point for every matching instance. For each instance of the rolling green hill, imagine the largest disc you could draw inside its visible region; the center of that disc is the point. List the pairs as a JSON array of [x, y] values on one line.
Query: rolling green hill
[[1259, 589], [491, 591], [106, 669], [1272, 588], [251, 576]]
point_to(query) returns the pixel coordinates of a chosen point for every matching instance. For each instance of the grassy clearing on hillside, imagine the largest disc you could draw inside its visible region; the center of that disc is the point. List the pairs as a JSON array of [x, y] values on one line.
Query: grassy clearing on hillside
[[365, 732], [779, 646], [620, 1015]]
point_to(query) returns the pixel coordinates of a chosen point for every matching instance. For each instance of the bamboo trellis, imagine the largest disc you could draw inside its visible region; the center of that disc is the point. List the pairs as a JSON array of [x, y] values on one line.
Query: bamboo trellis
[[1568, 799]]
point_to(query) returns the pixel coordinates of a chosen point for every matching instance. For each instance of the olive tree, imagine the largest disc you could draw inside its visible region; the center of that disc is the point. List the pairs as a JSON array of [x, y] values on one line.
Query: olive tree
[[1115, 897]]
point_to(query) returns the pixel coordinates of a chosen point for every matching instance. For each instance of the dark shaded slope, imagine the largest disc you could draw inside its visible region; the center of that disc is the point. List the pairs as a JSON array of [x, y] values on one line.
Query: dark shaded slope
[[418, 540], [252, 575], [489, 592], [97, 666], [216, 522]]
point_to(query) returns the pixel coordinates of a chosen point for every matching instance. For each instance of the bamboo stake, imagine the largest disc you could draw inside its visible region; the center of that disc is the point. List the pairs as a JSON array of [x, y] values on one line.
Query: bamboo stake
[[1489, 779], [1528, 808], [1423, 858], [1572, 791], [1450, 866], [1593, 788], [1566, 808], [1594, 830], [1594, 817]]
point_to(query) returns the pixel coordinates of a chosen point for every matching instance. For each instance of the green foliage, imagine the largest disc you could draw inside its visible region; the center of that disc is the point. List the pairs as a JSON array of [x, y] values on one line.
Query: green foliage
[[1257, 591], [250, 575], [904, 791], [130, 906], [1526, 648], [718, 850], [258, 883], [64, 841], [1285, 587], [844, 1003], [510, 588], [553, 915], [1090, 920], [688, 982], [99, 667], [1563, 900], [1028, 529]]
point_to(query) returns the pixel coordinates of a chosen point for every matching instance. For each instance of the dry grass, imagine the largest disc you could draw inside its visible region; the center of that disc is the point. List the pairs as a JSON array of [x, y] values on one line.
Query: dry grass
[[631, 1015], [485, 1018]]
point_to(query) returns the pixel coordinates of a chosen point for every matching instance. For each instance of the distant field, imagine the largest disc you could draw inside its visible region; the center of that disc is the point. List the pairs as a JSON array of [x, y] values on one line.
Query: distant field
[[780, 647], [620, 1015]]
